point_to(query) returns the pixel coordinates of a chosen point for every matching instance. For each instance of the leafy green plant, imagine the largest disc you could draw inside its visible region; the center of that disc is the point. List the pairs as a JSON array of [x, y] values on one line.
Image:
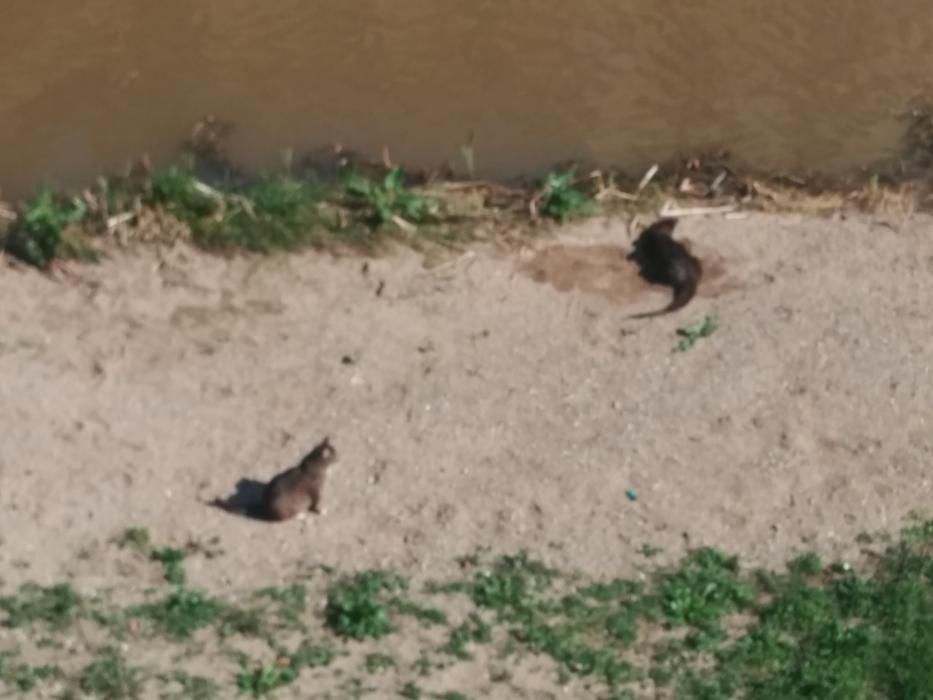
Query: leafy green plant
[[808, 564], [23, 676], [279, 212], [357, 607], [424, 614], [920, 532], [292, 603], [377, 662], [247, 622], [695, 331], [475, 630], [172, 561], [36, 235], [511, 582], [410, 691], [111, 677], [56, 606], [313, 656], [560, 199], [191, 687], [703, 589], [181, 613], [566, 643], [177, 189], [388, 201], [260, 680], [136, 537], [282, 196]]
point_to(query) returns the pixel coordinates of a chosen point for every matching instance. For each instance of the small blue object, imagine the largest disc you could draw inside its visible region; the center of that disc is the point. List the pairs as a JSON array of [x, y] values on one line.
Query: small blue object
[[632, 496]]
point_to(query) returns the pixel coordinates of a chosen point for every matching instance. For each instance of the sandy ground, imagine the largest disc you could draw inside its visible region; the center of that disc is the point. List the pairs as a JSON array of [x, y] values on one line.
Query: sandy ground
[[499, 400]]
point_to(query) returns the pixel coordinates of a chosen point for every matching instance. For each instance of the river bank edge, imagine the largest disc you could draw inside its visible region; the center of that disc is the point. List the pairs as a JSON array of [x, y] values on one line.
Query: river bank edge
[[335, 200]]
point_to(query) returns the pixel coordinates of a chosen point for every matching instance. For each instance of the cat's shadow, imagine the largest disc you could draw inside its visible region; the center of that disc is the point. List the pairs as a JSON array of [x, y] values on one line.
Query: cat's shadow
[[246, 500]]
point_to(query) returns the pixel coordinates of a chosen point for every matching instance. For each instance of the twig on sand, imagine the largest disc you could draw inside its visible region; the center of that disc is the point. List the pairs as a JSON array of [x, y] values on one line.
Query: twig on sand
[[406, 226], [216, 195], [608, 190], [207, 190], [468, 152], [120, 219], [478, 185], [717, 183], [762, 189], [676, 212], [614, 193], [533, 207], [648, 177], [245, 204]]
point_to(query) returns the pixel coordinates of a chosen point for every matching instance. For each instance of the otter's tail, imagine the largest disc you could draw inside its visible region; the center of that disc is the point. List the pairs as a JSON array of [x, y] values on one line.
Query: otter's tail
[[682, 296]]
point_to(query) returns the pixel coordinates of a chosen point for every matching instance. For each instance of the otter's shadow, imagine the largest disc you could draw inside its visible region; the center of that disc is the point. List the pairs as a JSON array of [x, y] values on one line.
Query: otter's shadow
[[246, 500]]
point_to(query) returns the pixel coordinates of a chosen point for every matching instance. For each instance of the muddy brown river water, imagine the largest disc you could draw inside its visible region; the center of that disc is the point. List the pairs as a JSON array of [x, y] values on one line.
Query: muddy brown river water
[[787, 84]]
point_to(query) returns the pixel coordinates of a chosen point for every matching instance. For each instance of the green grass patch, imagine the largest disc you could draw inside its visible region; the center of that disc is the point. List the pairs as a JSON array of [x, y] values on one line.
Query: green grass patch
[[377, 662], [561, 199], [276, 211], [411, 691], [190, 687], [259, 680], [313, 656], [358, 607], [181, 613], [38, 235], [292, 602], [425, 614], [246, 622], [317, 206], [383, 202], [806, 565], [173, 564], [136, 538], [704, 628], [23, 677], [474, 631], [510, 583], [179, 191], [702, 590], [56, 606], [110, 676], [279, 212], [569, 627], [689, 335]]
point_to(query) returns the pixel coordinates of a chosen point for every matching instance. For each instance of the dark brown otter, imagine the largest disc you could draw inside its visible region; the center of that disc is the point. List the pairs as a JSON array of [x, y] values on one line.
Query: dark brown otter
[[662, 260]]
